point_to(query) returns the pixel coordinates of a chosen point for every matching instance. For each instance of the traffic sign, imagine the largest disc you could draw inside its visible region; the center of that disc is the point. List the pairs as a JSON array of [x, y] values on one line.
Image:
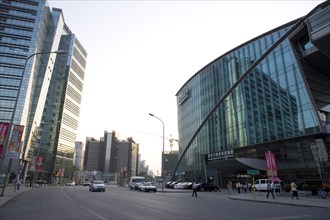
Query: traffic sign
[[253, 172]]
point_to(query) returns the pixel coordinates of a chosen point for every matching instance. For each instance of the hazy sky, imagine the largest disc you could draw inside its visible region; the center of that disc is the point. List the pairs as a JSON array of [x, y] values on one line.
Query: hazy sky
[[140, 53]]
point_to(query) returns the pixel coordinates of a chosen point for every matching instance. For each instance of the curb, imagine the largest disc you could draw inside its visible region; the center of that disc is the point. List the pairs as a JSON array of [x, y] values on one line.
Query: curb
[[279, 202]]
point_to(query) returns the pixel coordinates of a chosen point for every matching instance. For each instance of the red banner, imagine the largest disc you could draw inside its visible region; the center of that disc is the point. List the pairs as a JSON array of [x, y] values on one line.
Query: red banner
[[4, 128]]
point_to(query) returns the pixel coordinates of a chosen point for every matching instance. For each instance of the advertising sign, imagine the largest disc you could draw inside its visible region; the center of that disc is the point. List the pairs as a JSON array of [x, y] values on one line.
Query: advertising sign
[[39, 163], [14, 147], [4, 128]]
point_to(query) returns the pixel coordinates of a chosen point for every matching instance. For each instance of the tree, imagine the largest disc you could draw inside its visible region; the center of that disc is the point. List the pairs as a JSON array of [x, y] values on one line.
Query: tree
[[145, 175]]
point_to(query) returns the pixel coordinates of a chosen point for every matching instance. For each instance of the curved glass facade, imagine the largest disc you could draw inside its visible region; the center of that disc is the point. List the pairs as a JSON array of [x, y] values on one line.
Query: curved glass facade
[[249, 101]]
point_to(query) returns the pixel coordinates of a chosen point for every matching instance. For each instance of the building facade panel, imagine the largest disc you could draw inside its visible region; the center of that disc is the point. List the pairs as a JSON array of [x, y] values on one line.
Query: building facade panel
[[48, 100], [251, 100]]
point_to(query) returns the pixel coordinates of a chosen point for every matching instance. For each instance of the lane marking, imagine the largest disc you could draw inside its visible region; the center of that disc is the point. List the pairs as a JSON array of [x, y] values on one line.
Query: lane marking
[[83, 207], [93, 213]]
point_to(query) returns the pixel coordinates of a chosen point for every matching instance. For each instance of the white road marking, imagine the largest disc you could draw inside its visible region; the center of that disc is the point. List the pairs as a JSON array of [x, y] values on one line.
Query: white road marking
[[83, 207]]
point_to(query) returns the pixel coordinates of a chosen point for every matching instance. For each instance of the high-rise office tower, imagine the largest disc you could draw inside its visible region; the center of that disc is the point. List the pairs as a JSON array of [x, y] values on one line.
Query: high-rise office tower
[[42, 68]]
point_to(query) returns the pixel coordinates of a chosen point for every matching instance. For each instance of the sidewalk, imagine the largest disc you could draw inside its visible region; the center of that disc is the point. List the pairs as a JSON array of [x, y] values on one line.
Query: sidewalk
[[9, 193], [284, 199]]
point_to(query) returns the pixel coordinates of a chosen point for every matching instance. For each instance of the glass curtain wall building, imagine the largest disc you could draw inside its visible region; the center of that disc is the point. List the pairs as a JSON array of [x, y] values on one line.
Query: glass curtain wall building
[[271, 93], [48, 103]]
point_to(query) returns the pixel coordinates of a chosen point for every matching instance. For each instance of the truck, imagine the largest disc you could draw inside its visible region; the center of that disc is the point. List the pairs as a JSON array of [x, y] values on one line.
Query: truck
[[135, 182]]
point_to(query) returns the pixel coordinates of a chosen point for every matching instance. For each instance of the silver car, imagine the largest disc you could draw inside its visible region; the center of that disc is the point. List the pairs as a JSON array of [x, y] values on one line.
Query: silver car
[[147, 186], [97, 185]]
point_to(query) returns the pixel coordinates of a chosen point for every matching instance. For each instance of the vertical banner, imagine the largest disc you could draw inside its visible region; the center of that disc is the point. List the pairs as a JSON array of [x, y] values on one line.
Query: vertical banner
[[270, 164], [14, 147], [39, 163], [4, 128]]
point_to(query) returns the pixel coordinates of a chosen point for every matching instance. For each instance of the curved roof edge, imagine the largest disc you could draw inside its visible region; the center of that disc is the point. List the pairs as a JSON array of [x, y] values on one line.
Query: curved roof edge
[[251, 40]]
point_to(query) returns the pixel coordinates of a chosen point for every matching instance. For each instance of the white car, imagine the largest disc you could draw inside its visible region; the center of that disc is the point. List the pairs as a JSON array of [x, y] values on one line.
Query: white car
[[179, 185], [147, 186], [261, 185], [97, 185], [71, 183]]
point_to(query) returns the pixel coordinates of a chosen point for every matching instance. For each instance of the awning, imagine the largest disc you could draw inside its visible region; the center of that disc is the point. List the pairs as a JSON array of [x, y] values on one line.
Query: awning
[[238, 164], [275, 179]]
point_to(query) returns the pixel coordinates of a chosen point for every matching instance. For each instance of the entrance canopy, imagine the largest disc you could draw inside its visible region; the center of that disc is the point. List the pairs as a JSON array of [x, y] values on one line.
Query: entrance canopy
[[238, 164]]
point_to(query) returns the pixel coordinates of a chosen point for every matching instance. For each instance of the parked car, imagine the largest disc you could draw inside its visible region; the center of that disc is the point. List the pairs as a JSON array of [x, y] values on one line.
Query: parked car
[[207, 187], [179, 185], [147, 187], [71, 183], [86, 183], [173, 183], [187, 185], [97, 185], [261, 185], [167, 185]]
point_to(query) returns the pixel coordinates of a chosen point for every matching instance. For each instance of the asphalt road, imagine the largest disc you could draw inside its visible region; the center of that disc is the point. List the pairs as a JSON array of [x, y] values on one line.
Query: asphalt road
[[120, 203]]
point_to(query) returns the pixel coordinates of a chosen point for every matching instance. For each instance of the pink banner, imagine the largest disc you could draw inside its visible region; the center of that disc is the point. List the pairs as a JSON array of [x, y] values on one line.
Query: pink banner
[[270, 164], [4, 128], [39, 163], [14, 147]]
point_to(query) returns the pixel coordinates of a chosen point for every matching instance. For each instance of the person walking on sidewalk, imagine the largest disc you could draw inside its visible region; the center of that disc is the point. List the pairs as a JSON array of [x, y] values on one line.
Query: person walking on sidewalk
[[229, 186], [238, 187], [270, 189], [18, 183], [294, 190], [194, 188]]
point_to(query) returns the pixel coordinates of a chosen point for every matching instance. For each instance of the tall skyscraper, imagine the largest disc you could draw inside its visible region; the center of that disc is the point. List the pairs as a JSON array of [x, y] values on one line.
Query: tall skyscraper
[[49, 96]]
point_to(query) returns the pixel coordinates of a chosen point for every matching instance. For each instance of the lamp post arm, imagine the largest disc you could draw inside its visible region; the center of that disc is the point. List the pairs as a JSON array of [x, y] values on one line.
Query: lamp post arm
[[163, 176]]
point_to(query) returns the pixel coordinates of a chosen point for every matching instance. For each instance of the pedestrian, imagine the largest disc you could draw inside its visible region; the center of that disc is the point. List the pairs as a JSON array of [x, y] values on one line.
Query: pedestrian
[[238, 186], [250, 186], [194, 188], [294, 190], [229, 186], [270, 189], [18, 184]]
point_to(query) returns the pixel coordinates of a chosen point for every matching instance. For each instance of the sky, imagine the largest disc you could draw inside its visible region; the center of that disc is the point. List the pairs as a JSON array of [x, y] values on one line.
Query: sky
[[140, 53]]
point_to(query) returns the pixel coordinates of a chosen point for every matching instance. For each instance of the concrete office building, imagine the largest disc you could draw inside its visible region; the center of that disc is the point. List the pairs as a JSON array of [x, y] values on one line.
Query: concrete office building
[[112, 156], [170, 161], [270, 94], [48, 104], [92, 155], [127, 157]]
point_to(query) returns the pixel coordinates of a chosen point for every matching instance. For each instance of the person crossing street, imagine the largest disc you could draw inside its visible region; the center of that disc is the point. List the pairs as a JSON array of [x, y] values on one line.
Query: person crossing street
[[194, 188]]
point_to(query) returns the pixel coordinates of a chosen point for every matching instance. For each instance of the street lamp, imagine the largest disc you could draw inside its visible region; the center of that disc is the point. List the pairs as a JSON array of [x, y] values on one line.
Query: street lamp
[[163, 175], [15, 107]]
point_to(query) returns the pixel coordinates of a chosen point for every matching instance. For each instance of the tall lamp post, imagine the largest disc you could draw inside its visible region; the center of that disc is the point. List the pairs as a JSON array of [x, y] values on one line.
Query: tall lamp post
[[15, 108], [163, 175]]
